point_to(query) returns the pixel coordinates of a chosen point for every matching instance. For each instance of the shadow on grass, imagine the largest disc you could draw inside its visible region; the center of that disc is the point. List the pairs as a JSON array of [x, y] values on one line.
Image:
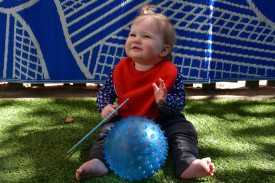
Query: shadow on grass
[[247, 176], [251, 124], [6, 103], [266, 147], [260, 131], [238, 107], [244, 173], [217, 153], [35, 150]]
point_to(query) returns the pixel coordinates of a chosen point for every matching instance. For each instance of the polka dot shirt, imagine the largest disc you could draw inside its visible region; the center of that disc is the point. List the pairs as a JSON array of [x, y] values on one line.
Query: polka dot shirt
[[174, 103]]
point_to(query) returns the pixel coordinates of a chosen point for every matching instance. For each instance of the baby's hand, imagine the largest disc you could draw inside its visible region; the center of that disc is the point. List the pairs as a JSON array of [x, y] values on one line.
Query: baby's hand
[[160, 92], [108, 109]]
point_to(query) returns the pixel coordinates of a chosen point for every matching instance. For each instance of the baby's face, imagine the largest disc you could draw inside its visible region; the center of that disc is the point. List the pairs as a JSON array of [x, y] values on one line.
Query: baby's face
[[145, 42]]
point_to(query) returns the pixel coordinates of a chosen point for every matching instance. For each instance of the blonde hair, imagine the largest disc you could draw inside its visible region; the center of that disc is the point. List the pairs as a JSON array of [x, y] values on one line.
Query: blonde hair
[[164, 24]]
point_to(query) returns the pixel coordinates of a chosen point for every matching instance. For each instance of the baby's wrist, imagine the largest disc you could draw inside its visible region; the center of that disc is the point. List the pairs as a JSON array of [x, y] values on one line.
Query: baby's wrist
[[159, 104]]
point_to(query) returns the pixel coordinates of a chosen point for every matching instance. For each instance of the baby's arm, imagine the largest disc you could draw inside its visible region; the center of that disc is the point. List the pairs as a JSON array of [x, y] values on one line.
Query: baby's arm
[[173, 102], [106, 97]]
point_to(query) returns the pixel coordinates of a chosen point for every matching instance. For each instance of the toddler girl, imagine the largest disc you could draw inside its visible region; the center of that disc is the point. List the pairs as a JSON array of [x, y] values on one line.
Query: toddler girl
[[155, 89]]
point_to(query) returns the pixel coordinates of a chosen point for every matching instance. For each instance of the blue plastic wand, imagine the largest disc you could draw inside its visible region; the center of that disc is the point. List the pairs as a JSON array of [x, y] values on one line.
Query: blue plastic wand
[[97, 126]]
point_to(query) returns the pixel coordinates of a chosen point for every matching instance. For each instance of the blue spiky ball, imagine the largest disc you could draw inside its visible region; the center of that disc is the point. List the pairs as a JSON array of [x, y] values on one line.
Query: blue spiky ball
[[135, 148]]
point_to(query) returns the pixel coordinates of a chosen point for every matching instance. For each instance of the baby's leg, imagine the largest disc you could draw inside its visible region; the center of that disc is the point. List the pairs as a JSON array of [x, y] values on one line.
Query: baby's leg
[[185, 150], [92, 168], [96, 166], [182, 137], [198, 168]]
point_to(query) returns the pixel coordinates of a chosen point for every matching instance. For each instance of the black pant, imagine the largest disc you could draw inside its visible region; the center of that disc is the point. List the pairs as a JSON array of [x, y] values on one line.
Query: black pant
[[181, 134]]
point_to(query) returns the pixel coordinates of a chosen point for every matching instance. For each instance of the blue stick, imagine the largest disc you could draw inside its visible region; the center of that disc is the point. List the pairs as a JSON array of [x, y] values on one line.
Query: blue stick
[[97, 126]]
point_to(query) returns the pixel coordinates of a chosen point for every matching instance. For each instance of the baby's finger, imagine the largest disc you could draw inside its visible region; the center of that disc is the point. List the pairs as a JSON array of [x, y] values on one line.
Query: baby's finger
[[115, 106], [155, 87], [161, 83]]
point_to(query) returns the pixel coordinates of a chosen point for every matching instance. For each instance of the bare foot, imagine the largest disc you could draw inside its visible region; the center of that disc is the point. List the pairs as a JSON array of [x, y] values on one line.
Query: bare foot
[[92, 168], [199, 168]]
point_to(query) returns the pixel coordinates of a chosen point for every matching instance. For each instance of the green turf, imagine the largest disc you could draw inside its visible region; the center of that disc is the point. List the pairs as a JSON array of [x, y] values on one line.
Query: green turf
[[239, 136]]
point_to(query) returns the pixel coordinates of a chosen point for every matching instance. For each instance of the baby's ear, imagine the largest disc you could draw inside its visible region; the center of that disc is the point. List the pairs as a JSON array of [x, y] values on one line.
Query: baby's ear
[[165, 50]]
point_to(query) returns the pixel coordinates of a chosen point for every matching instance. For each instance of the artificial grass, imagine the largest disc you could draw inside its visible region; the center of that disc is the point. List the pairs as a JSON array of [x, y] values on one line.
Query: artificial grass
[[237, 134]]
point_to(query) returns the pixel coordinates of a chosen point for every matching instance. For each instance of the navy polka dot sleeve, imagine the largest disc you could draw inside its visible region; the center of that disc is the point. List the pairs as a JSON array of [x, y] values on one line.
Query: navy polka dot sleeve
[[107, 94], [175, 100], [174, 103]]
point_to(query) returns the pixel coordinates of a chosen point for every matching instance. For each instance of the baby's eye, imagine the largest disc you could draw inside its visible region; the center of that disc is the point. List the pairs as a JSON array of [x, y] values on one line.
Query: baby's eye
[[147, 36], [132, 35]]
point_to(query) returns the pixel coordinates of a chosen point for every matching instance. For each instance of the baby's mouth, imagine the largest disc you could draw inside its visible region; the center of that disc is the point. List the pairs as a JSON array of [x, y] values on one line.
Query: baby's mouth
[[136, 48]]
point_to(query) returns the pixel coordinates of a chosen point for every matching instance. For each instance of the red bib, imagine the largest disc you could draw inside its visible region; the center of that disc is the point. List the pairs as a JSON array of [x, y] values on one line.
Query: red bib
[[137, 86]]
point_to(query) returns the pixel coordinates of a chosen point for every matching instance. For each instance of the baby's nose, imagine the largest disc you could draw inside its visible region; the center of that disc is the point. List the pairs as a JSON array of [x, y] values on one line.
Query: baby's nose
[[137, 40]]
